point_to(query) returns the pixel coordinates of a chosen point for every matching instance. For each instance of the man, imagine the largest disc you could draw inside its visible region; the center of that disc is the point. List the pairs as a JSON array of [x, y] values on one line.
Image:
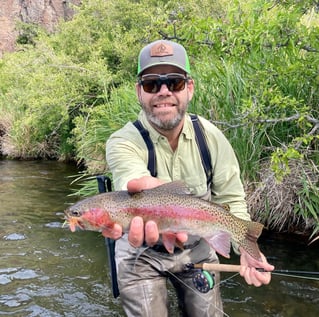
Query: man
[[164, 90]]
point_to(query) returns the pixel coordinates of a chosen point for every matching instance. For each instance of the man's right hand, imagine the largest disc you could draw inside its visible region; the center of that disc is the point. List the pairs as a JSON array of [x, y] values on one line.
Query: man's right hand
[[136, 232]]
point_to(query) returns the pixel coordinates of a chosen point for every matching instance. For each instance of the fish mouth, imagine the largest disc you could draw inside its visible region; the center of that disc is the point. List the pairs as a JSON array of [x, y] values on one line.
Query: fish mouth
[[73, 223]]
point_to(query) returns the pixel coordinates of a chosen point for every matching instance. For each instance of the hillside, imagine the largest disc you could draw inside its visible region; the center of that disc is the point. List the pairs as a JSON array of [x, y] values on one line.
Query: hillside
[[45, 13]]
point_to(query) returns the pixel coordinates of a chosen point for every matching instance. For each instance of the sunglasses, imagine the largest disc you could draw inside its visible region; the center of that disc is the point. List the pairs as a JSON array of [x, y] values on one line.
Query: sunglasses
[[152, 83]]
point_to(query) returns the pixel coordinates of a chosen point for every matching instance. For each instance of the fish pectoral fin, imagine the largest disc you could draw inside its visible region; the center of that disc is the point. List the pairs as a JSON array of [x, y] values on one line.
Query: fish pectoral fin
[[220, 242], [179, 244], [169, 241]]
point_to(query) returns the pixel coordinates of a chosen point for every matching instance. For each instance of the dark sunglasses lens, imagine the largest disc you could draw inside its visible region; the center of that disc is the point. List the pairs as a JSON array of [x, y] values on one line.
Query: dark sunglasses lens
[[176, 84], [151, 86], [154, 86]]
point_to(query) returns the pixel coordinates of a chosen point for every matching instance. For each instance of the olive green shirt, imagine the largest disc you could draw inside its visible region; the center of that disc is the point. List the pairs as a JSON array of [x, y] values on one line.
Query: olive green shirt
[[127, 158]]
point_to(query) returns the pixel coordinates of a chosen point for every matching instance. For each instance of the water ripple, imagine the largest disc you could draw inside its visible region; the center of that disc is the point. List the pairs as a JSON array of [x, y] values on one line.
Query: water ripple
[[15, 237], [10, 274]]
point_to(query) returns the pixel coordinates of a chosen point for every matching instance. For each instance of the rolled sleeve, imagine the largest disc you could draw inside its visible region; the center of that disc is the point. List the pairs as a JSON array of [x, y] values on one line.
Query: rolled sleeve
[[126, 155]]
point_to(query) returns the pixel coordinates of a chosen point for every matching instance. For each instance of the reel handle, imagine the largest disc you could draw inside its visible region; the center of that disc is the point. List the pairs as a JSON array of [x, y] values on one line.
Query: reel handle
[[217, 267]]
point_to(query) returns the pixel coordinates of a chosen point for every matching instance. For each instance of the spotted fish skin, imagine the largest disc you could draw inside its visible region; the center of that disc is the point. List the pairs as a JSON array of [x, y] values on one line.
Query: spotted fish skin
[[173, 210]]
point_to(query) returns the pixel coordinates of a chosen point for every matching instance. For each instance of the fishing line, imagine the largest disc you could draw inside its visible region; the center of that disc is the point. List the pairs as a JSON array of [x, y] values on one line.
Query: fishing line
[[310, 275], [296, 276]]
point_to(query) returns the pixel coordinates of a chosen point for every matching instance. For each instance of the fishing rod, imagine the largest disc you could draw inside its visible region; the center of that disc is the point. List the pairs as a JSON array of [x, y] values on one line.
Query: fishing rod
[[204, 281], [236, 268]]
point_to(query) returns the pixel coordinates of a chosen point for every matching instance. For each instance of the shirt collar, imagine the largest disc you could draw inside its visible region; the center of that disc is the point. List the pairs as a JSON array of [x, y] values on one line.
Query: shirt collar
[[187, 130]]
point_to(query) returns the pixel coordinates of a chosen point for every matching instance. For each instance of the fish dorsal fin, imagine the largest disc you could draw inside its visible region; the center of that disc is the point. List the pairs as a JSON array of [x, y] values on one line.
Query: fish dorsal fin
[[175, 187]]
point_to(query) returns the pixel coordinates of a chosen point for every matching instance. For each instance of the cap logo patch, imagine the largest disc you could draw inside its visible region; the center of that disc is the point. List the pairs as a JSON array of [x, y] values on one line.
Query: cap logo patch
[[161, 49]]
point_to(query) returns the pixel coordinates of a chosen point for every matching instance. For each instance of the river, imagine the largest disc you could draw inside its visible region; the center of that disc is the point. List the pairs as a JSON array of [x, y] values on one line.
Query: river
[[45, 270]]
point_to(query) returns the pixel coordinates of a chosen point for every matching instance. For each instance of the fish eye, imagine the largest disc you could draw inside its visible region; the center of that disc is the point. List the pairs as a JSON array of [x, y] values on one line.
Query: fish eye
[[75, 213]]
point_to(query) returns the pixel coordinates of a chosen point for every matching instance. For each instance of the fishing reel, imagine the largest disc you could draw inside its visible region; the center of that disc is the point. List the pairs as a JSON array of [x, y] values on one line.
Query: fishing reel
[[202, 279]]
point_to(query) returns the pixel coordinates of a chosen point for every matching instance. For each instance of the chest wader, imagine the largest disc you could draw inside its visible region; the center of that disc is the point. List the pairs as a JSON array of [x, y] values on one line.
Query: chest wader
[[104, 182]]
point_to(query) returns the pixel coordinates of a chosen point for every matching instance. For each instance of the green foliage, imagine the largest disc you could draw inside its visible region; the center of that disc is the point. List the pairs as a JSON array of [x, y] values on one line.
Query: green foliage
[[280, 161], [85, 184], [96, 124], [309, 195], [255, 65], [47, 90], [28, 33], [308, 205], [260, 79]]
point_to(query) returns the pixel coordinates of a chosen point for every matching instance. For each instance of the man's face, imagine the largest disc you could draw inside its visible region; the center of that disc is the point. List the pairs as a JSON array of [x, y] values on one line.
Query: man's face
[[165, 109]]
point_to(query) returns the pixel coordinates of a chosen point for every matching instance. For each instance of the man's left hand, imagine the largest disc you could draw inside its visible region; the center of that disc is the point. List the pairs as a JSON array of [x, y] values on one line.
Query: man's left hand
[[249, 269]]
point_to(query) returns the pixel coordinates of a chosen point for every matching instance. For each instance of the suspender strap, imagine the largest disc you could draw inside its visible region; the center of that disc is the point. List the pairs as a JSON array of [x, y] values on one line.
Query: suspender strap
[[200, 140], [104, 184], [203, 149], [151, 166]]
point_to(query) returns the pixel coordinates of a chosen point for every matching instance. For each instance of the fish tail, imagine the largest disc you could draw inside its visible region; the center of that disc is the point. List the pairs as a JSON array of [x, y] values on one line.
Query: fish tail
[[249, 243]]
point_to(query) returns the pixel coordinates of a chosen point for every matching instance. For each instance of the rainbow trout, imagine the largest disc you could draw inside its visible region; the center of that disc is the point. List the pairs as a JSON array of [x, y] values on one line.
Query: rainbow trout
[[174, 210]]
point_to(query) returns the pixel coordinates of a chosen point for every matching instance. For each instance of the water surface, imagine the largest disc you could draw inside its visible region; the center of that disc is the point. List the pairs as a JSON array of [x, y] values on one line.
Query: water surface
[[45, 270]]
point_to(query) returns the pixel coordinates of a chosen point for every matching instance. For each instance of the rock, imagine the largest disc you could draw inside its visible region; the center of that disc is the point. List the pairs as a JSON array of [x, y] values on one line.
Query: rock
[[46, 13]]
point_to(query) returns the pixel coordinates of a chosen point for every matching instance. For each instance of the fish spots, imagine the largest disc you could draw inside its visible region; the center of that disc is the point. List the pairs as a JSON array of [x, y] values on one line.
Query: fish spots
[[172, 211]]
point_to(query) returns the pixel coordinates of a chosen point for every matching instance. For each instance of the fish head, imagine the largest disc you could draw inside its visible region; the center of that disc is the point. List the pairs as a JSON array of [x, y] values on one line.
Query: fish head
[[88, 216], [78, 209]]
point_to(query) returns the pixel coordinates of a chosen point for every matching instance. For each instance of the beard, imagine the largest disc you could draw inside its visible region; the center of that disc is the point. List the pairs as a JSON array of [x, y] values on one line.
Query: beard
[[165, 124]]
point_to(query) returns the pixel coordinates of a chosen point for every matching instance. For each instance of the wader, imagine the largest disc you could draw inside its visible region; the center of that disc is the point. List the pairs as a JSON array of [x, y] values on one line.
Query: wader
[[143, 273]]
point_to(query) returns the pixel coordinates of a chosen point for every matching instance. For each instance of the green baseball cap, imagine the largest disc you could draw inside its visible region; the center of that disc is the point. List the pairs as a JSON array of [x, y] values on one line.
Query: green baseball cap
[[163, 52]]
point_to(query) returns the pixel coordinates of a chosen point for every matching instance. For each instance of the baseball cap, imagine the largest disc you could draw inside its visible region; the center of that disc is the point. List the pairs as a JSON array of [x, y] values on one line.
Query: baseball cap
[[163, 52]]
